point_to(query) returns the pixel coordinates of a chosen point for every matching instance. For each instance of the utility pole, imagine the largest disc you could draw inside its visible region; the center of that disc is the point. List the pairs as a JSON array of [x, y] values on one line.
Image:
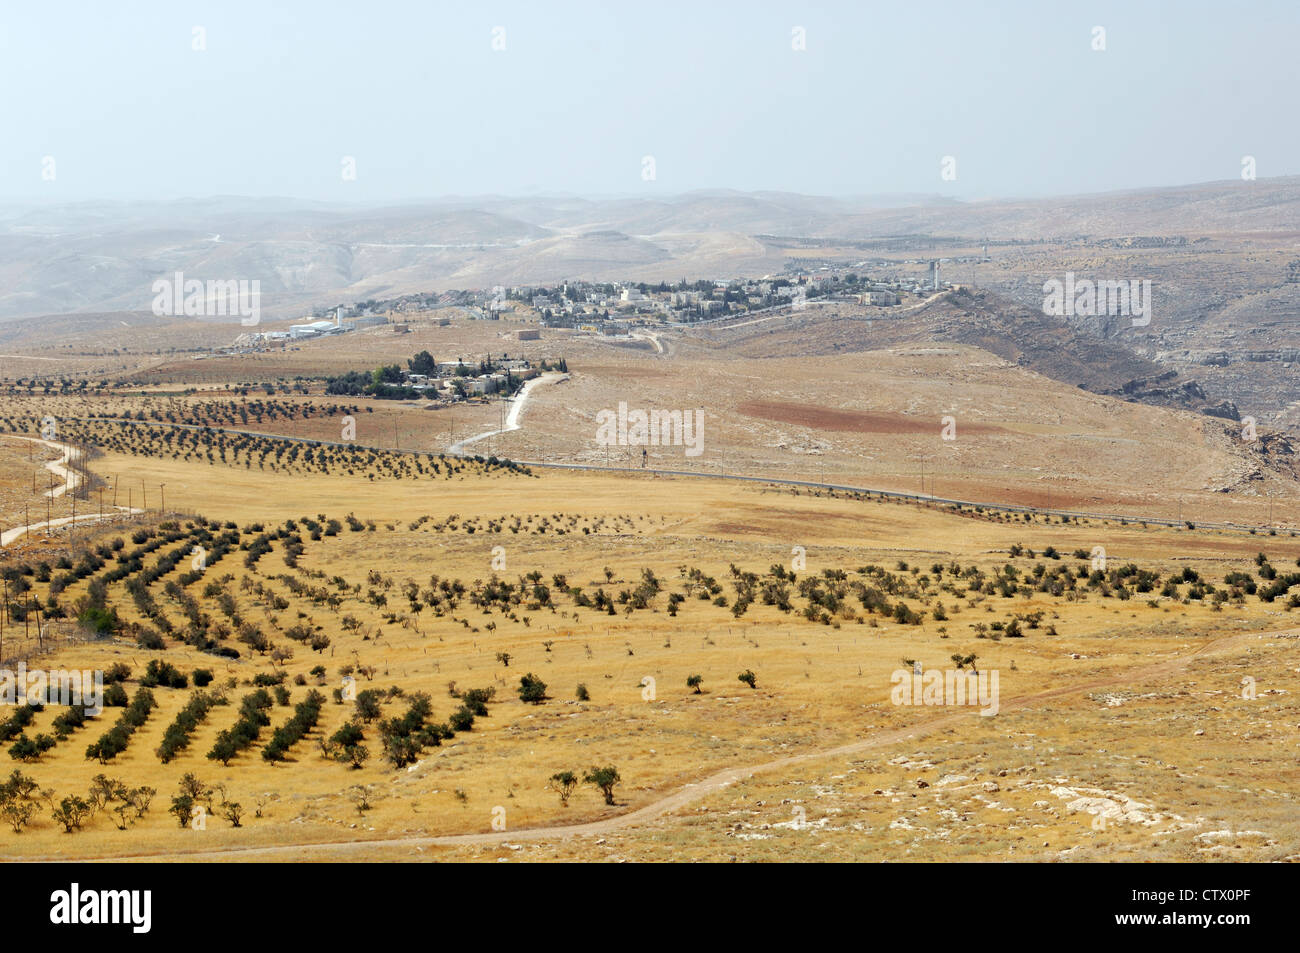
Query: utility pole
[[162, 491]]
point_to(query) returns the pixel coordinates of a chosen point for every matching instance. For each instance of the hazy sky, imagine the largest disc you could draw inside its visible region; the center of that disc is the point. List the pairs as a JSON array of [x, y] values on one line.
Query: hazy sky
[[117, 95]]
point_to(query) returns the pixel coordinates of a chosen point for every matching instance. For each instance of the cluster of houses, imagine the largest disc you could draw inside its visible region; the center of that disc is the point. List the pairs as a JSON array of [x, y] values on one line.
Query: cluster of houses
[[619, 308], [615, 309], [456, 380]]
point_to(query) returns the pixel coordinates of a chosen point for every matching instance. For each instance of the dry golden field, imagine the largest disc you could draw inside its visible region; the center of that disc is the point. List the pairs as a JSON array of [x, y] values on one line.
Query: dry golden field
[[869, 417], [1101, 707], [1145, 689]]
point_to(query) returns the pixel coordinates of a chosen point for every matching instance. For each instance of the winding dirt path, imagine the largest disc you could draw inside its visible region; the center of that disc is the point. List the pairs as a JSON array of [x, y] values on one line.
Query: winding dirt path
[[10, 535], [653, 339], [715, 782], [71, 480], [516, 411]]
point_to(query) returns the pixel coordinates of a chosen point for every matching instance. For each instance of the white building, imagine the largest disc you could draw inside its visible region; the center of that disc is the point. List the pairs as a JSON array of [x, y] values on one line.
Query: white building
[[310, 330]]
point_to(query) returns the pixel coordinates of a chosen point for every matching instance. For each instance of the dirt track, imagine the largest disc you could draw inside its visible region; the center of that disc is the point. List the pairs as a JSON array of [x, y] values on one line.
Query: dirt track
[[71, 479], [709, 785]]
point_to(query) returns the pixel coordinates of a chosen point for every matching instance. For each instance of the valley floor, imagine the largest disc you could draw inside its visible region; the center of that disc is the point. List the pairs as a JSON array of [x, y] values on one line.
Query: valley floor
[[1144, 713]]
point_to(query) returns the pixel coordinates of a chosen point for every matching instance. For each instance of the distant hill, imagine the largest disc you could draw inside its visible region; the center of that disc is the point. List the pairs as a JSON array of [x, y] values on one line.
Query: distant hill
[[105, 256], [1021, 335]]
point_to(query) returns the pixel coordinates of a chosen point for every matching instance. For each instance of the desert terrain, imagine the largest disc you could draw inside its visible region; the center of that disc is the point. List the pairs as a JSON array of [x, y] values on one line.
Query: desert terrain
[[1145, 693], [337, 626]]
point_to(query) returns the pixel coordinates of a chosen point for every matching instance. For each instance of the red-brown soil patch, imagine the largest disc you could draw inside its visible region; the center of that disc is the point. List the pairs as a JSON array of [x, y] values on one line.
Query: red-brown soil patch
[[854, 421]]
